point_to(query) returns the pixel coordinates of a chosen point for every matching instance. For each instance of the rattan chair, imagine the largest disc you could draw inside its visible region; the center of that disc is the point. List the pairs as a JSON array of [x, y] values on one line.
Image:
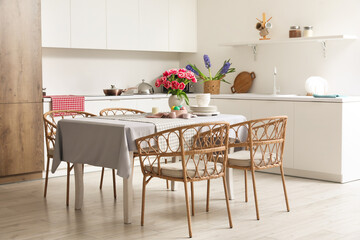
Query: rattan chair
[[113, 112], [202, 149], [50, 122], [264, 148]]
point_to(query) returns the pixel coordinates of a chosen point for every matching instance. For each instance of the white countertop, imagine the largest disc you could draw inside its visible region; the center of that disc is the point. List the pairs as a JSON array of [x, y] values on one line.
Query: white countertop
[[238, 96]]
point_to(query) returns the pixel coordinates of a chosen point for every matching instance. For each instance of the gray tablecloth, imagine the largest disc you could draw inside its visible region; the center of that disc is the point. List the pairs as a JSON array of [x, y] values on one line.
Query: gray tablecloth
[[106, 142]]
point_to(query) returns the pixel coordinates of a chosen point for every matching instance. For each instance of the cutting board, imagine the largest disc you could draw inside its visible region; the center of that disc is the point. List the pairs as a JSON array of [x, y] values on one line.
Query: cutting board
[[243, 82]]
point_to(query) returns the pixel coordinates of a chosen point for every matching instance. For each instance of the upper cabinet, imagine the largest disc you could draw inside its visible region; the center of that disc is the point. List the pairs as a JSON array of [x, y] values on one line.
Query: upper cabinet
[[55, 23], [150, 25], [183, 25], [122, 24], [88, 24], [154, 25]]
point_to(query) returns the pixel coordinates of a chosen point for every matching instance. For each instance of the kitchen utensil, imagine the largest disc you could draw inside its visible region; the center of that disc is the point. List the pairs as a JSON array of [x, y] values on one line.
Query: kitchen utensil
[[203, 100], [316, 85], [113, 91], [145, 88], [243, 82]]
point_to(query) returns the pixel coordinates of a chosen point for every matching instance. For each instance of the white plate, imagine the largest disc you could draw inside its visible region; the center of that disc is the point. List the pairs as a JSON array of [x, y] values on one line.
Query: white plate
[[206, 114], [207, 108]]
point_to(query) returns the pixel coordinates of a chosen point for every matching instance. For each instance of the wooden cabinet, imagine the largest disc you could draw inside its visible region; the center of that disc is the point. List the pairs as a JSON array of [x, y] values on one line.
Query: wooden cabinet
[[122, 24], [88, 24], [21, 129], [20, 51], [55, 23], [154, 25], [21, 140], [182, 25]]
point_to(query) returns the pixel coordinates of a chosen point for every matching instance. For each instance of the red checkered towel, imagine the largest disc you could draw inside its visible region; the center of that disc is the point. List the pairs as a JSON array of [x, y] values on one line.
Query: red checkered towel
[[67, 102]]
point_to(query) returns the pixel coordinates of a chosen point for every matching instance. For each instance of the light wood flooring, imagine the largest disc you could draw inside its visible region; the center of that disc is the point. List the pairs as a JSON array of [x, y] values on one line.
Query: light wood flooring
[[319, 210]]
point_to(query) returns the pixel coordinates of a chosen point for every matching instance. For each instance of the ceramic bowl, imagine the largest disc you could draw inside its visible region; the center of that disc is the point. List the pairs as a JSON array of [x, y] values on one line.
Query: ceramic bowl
[[203, 100]]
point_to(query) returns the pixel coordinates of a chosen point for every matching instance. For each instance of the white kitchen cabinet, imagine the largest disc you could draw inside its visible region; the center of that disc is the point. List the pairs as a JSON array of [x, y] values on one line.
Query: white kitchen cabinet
[[182, 25], [229, 106], [122, 24], [154, 25], [88, 24], [317, 137], [55, 23]]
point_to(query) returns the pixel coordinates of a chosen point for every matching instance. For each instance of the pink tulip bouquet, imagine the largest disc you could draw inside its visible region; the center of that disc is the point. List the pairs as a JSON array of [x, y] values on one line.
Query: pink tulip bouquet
[[175, 80]]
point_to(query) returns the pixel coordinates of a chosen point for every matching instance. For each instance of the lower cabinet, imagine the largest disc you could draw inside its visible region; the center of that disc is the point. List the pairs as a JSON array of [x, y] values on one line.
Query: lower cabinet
[[21, 141], [321, 138]]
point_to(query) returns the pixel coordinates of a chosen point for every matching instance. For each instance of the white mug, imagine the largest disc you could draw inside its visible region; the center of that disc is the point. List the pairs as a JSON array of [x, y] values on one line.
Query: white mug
[[203, 100]]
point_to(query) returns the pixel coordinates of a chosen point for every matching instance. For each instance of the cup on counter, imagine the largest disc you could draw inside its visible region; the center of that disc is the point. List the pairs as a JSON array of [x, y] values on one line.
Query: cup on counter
[[203, 100], [155, 110]]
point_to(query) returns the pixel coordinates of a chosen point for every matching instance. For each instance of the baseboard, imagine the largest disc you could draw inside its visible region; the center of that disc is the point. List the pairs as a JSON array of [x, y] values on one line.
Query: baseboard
[[308, 174], [20, 177]]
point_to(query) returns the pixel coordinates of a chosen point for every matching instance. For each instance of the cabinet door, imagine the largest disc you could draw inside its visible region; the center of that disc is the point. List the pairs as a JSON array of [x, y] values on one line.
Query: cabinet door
[[21, 141], [55, 23], [122, 24], [20, 51], [263, 109], [231, 106], [154, 24], [88, 24], [317, 137], [183, 25]]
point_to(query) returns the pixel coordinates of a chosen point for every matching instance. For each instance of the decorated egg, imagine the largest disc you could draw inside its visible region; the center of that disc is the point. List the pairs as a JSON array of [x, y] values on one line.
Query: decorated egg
[[173, 107], [176, 108], [182, 108]]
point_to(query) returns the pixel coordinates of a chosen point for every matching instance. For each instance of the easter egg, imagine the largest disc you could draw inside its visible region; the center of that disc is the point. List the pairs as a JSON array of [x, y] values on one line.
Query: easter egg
[[182, 108], [173, 107], [176, 108]]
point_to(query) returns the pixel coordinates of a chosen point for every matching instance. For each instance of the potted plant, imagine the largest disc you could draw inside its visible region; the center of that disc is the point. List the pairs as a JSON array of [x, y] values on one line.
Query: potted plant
[[175, 80], [212, 83]]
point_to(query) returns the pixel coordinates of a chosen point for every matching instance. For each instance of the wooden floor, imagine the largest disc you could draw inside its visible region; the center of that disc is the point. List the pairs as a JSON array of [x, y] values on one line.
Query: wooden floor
[[319, 210]]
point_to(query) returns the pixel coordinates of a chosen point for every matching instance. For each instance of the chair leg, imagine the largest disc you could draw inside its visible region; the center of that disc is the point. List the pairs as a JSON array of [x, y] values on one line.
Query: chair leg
[[167, 181], [227, 202], [285, 194], [187, 208], [46, 176], [102, 178], [143, 201], [192, 199], [246, 190], [207, 195], [67, 184], [255, 196], [114, 182]]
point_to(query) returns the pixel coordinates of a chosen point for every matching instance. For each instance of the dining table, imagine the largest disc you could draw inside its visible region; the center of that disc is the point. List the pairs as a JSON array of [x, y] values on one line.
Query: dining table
[[109, 141]]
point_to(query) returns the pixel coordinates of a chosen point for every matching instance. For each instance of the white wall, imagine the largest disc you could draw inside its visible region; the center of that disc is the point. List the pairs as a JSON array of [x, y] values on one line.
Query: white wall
[[234, 20], [88, 72]]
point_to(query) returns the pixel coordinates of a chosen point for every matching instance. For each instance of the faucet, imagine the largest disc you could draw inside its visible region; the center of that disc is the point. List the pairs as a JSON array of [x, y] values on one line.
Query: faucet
[[275, 91]]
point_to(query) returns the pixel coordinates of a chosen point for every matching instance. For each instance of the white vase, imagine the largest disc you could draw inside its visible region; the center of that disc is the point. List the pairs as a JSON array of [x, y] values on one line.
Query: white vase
[[175, 101]]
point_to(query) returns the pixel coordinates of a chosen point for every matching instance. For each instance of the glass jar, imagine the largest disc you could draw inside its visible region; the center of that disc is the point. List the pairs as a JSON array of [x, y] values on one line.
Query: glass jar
[[294, 32], [308, 31]]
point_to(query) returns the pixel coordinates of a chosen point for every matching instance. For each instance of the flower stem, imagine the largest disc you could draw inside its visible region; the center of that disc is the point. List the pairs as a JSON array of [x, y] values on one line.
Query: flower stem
[[210, 74]]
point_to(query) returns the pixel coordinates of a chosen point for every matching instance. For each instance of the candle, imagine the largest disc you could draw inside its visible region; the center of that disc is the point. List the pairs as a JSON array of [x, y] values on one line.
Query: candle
[[155, 110]]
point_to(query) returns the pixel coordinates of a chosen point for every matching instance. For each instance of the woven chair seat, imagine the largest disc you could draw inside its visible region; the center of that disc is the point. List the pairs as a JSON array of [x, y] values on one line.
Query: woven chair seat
[[175, 170], [242, 159]]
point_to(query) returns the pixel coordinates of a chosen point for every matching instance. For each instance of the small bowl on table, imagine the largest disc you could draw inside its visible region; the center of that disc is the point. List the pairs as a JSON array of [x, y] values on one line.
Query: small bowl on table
[[179, 112]]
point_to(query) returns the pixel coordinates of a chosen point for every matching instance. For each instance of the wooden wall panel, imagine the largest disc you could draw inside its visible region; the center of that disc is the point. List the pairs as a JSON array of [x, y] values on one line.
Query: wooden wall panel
[[20, 51], [21, 138]]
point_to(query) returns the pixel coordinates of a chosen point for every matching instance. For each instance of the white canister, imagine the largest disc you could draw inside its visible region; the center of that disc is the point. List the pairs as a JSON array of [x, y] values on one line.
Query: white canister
[[308, 31]]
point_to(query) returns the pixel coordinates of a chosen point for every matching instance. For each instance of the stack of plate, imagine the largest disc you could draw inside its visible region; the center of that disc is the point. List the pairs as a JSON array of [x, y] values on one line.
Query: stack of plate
[[204, 111]]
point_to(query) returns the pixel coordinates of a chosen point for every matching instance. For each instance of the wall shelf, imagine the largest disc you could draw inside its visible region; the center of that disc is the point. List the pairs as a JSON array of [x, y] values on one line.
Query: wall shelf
[[320, 39]]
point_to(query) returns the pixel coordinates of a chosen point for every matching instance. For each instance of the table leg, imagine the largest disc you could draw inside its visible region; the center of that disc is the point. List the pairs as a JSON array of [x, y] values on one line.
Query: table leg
[[128, 193], [173, 159], [229, 183], [79, 185]]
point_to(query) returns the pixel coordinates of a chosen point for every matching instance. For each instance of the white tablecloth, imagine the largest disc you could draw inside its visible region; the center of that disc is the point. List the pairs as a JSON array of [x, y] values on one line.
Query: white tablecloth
[[106, 142]]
